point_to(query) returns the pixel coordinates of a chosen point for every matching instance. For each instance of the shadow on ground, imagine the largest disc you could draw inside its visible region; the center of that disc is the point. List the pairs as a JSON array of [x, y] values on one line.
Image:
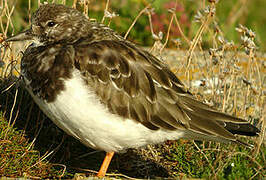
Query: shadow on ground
[[67, 150]]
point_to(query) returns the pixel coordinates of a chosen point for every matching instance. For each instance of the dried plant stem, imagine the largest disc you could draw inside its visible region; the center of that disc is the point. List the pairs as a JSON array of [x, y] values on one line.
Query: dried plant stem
[[86, 8], [236, 12], [204, 156], [150, 22], [8, 15], [29, 10], [203, 4], [168, 32], [28, 117], [258, 70], [15, 118], [41, 159], [105, 10], [246, 95], [64, 170], [169, 27], [181, 31], [157, 41], [74, 5], [194, 43], [225, 101], [248, 75], [250, 59], [235, 97], [11, 113], [197, 37], [135, 20], [262, 133]]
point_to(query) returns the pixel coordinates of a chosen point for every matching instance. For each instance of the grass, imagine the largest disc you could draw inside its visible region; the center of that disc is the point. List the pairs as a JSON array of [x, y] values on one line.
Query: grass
[[19, 158], [231, 78], [212, 163]]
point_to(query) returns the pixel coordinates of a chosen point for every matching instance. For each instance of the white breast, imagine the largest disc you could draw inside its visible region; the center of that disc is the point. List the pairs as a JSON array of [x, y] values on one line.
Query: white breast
[[78, 111]]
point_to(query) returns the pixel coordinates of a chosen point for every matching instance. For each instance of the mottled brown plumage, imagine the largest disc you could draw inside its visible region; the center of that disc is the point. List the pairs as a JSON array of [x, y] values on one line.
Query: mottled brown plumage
[[131, 82]]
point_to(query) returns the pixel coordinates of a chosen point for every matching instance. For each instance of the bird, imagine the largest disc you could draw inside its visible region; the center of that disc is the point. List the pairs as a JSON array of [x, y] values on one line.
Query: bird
[[109, 93]]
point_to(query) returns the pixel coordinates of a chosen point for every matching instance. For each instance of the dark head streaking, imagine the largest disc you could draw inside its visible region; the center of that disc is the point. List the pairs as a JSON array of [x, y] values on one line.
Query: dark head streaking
[[54, 23]]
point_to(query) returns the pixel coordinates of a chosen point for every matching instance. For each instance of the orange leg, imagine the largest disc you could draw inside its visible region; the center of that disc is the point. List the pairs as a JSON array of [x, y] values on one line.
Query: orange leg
[[105, 164]]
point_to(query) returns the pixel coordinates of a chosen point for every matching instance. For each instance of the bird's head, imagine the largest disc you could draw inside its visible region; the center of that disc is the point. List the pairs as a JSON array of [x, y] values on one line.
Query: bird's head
[[53, 23]]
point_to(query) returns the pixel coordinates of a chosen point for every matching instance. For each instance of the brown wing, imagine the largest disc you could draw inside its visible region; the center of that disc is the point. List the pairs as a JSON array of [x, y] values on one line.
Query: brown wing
[[134, 84]]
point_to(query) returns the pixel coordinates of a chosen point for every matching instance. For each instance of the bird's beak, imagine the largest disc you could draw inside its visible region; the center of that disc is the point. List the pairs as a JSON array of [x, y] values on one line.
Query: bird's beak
[[25, 35]]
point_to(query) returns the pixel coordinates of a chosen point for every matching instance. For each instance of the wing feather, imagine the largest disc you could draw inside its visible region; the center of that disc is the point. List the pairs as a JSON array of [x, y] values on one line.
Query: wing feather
[[134, 84]]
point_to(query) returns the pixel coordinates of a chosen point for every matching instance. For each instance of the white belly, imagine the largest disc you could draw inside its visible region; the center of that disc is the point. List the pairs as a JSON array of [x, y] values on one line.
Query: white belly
[[78, 111]]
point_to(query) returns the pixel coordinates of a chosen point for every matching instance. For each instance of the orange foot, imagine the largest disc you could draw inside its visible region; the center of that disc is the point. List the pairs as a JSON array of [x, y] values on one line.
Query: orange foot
[[105, 164]]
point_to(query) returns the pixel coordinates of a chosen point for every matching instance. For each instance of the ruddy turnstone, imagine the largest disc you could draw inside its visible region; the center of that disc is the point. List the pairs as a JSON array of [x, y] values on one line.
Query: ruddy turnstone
[[107, 92]]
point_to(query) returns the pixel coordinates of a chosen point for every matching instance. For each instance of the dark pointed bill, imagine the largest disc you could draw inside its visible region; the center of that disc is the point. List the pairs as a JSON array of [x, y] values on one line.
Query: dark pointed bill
[[25, 35]]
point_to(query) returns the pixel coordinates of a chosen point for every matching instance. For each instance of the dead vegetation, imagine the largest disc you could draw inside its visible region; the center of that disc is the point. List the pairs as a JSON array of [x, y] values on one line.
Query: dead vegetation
[[229, 76]]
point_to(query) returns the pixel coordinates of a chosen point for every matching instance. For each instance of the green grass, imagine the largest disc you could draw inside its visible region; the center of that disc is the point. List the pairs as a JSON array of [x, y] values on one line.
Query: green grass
[[192, 163], [18, 156]]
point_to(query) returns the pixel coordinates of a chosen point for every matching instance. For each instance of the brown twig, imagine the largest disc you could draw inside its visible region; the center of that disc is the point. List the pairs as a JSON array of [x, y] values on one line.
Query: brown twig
[[105, 10], [181, 31], [198, 36], [135, 20]]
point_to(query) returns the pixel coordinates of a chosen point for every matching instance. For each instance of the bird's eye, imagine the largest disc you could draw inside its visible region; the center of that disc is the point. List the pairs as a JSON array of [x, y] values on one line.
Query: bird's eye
[[50, 23]]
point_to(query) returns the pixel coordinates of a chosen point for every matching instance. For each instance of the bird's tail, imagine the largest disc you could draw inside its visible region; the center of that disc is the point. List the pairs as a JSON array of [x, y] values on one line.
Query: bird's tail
[[209, 124], [246, 129]]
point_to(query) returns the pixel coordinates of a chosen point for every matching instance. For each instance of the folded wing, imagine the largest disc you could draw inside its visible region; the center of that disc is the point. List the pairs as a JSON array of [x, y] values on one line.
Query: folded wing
[[135, 84]]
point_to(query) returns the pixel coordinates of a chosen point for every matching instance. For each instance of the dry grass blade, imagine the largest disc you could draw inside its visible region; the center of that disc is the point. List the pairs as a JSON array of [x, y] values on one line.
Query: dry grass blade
[[105, 10], [11, 114], [169, 27], [135, 20], [198, 36]]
